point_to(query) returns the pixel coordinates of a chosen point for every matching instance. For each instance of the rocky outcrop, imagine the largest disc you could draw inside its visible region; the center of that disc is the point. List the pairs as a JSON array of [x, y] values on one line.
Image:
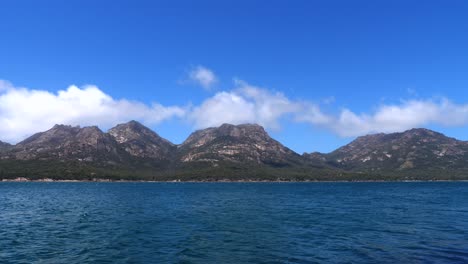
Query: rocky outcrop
[[139, 141], [248, 143], [413, 149], [230, 151], [315, 159], [66, 142]]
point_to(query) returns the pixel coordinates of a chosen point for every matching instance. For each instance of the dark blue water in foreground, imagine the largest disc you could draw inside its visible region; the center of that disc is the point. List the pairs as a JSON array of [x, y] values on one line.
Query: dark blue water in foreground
[[234, 222]]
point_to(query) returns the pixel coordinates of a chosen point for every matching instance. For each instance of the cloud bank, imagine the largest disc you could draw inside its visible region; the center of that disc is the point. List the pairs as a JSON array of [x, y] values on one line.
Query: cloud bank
[[399, 117], [250, 104], [244, 104], [25, 111]]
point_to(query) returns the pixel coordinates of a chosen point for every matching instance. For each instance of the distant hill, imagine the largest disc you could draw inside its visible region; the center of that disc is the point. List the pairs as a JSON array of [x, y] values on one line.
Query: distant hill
[[140, 141], [63, 143], [420, 152], [4, 146], [229, 152], [240, 144]]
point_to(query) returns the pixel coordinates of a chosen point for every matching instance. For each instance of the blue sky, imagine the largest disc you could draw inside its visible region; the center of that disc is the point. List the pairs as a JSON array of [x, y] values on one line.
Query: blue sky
[[316, 74]]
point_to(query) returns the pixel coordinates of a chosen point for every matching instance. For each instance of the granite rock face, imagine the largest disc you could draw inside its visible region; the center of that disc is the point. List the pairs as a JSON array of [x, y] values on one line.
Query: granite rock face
[[248, 143], [66, 142], [132, 146], [413, 149], [139, 141]]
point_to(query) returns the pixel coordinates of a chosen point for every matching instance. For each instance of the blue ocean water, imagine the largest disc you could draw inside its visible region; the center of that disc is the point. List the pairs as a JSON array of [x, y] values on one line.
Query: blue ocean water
[[234, 222]]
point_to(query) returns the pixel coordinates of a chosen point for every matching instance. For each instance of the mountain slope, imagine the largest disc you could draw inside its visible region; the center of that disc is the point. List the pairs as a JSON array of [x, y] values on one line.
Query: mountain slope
[[413, 150], [248, 143], [229, 152], [4, 146], [66, 142], [139, 141]]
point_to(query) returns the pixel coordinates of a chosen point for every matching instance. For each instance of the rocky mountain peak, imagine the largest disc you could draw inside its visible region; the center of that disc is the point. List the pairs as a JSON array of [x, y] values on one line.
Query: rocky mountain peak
[[132, 130], [243, 130], [415, 148], [53, 136], [130, 126], [204, 136], [425, 135], [422, 131], [91, 135], [140, 141], [236, 149], [67, 142], [235, 143]]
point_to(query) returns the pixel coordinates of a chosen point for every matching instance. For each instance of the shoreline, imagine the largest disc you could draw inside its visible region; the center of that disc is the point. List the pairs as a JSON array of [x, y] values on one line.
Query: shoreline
[[48, 180]]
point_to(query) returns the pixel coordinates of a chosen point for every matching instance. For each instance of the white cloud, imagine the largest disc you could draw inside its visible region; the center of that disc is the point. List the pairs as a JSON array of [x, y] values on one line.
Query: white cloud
[[245, 104], [400, 117], [250, 104], [24, 111], [224, 107], [311, 113], [203, 76]]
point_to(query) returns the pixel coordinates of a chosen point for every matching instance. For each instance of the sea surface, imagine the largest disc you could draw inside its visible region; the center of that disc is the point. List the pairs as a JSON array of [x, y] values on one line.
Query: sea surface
[[234, 222]]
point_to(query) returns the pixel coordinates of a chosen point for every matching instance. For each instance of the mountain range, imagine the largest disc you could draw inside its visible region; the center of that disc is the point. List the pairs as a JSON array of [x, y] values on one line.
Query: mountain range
[[132, 151]]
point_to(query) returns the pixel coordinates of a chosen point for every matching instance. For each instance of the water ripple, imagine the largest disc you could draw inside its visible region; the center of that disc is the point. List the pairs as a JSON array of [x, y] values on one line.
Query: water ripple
[[233, 222]]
